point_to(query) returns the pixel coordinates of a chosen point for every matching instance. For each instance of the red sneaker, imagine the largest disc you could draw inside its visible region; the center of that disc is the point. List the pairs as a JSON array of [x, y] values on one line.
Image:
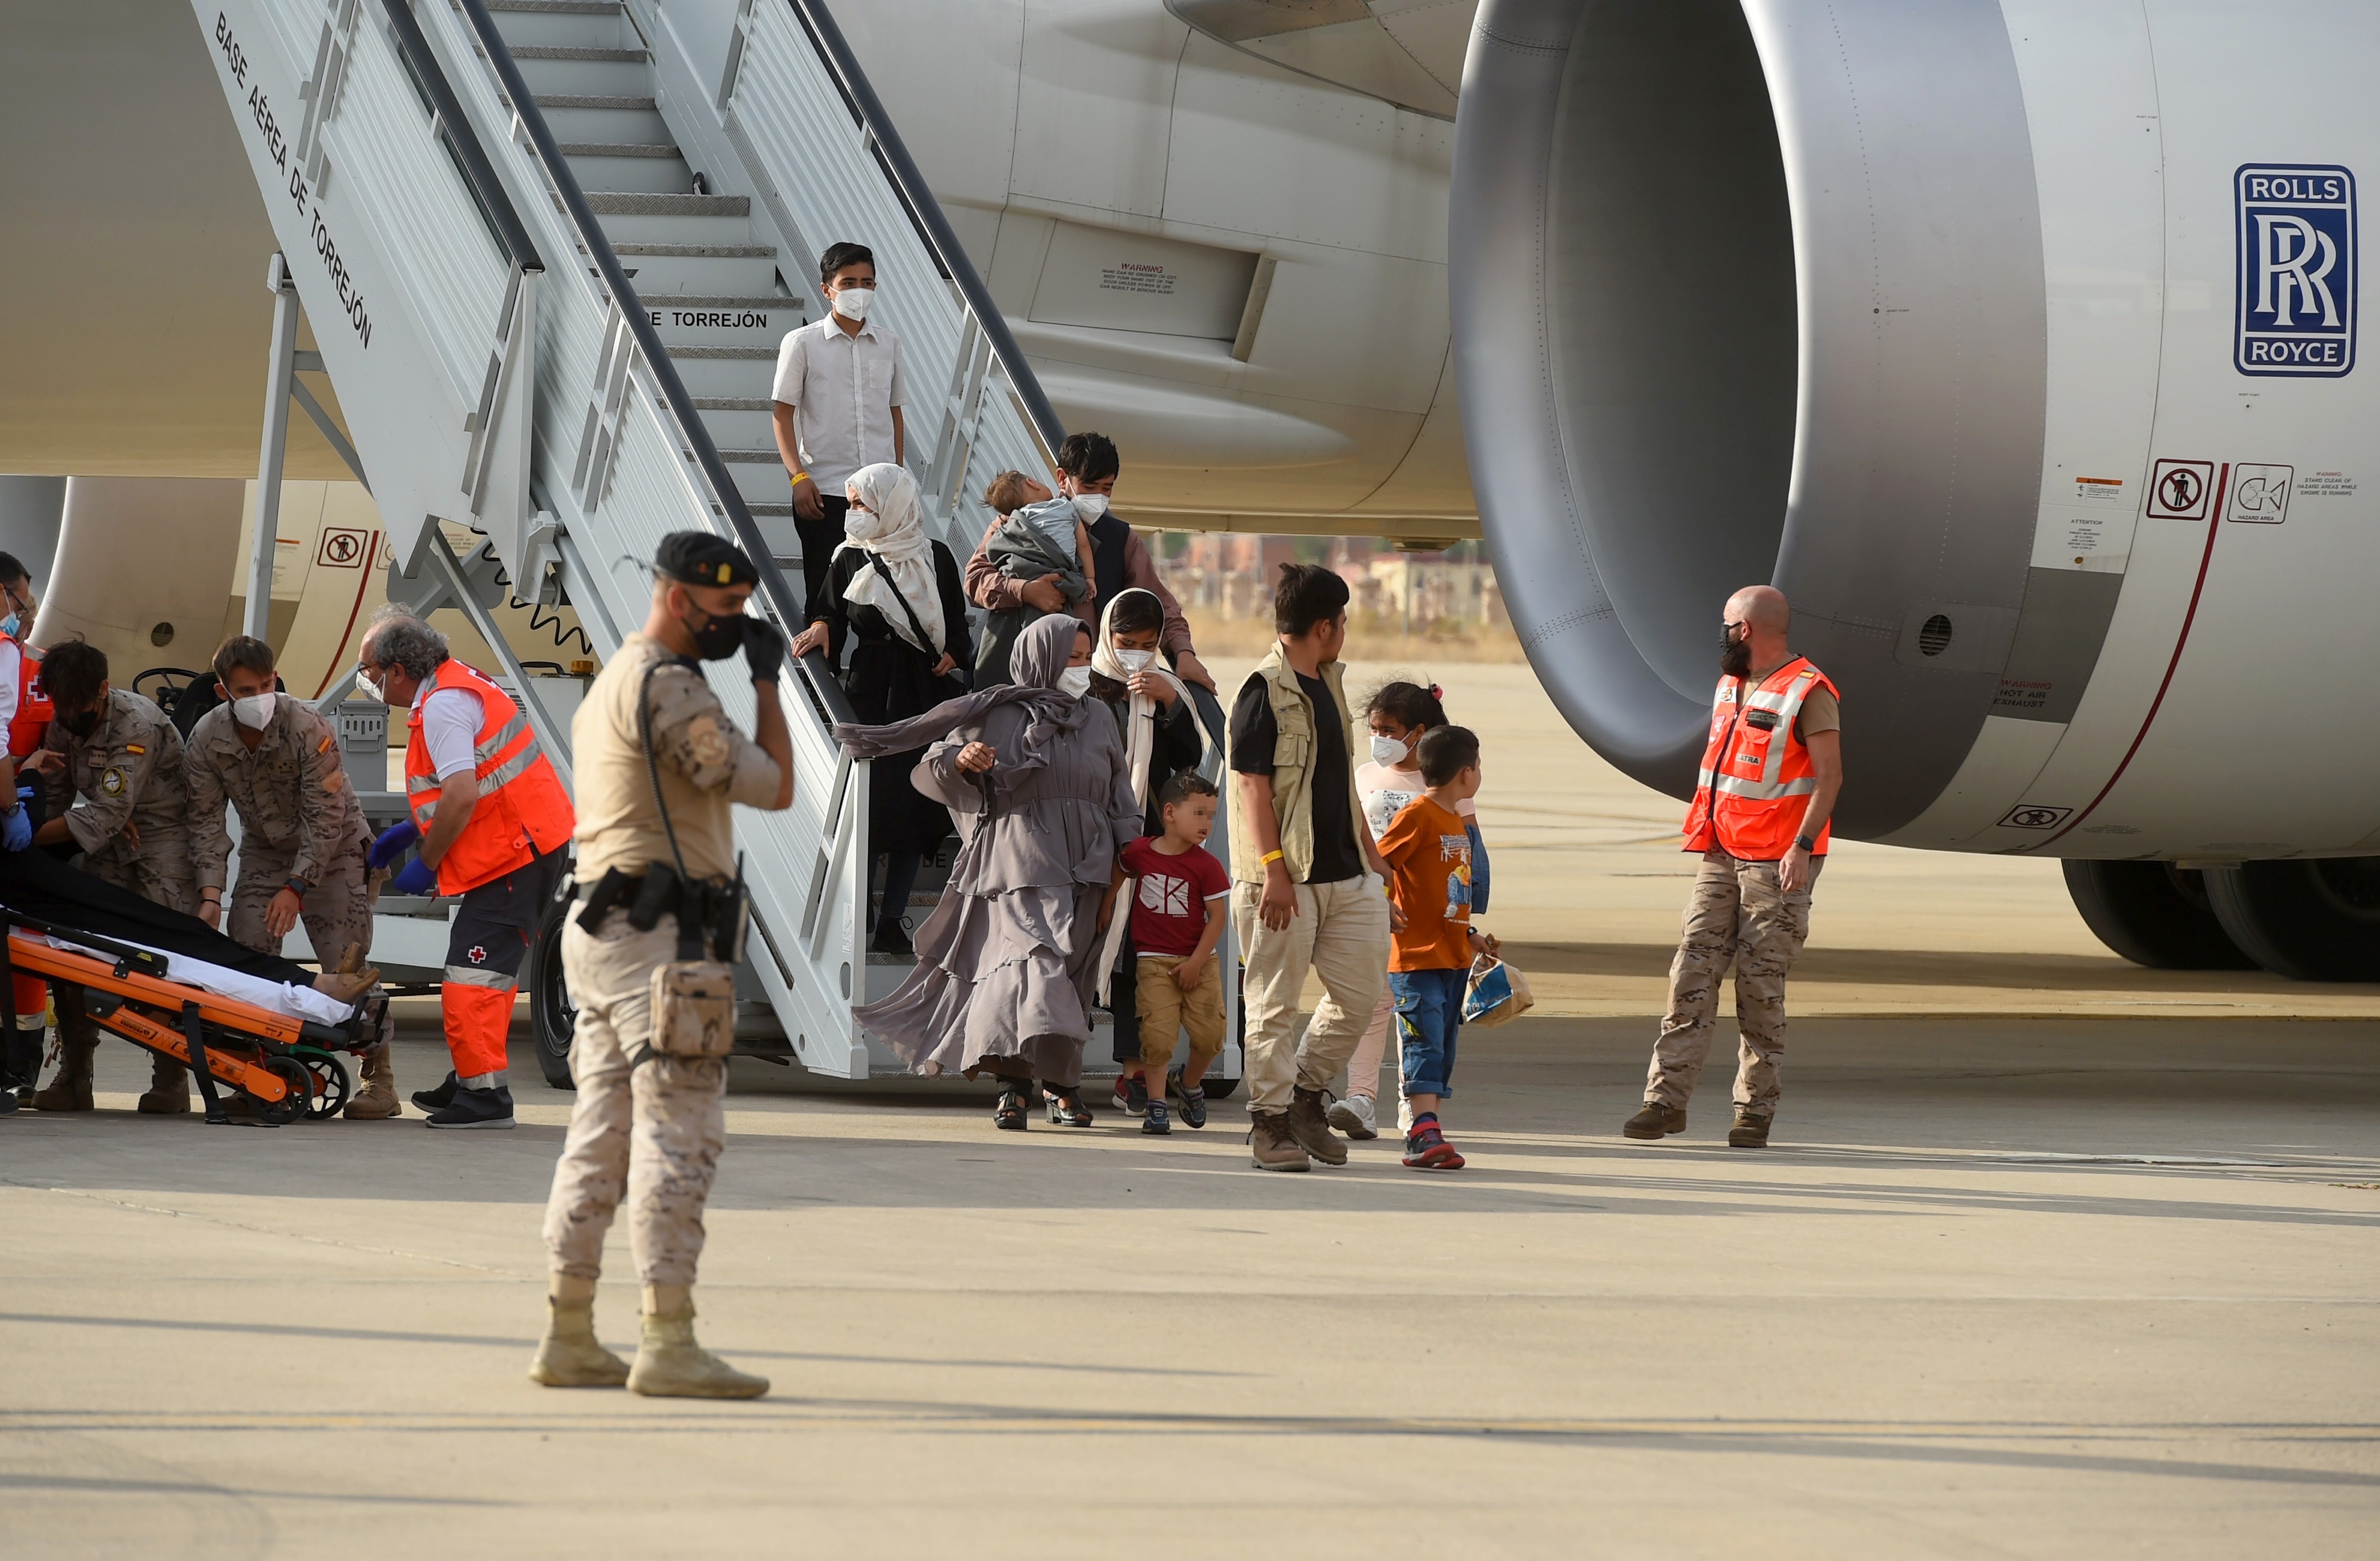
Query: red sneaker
[[1426, 1149]]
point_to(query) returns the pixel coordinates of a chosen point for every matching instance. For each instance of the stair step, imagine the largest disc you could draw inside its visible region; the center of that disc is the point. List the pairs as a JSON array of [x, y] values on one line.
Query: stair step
[[572, 52], [733, 404], [771, 511], [767, 354], [591, 100], [558, 7], [643, 203], [700, 251], [716, 301], [769, 456], [615, 149]]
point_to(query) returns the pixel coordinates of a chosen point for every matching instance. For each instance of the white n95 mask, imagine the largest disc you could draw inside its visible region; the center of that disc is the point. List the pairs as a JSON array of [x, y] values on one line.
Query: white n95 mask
[[1135, 661], [852, 303], [1075, 680], [1389, 751], [255, 713], [369, 686], [1090, 506]]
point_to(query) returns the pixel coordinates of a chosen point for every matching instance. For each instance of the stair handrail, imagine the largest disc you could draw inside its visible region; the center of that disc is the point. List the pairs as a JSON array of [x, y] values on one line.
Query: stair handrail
[[926, 215], [455, 127], [691, 429]]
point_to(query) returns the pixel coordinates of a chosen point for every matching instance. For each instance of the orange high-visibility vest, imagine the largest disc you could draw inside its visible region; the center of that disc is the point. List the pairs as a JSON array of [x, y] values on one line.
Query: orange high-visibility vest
[[34, 709], [1756, 774], [523, 813]]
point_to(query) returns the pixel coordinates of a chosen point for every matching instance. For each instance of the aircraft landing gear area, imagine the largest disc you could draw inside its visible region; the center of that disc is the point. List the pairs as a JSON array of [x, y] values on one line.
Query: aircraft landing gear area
[[285, 1068], [2312, 919]]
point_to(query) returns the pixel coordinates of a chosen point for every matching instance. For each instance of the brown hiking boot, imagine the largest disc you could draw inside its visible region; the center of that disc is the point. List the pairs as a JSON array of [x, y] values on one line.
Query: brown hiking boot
[[169, 1088], [1655, 1121], [1312, 1129], [1749, 1132], [70, 1090], [377, 1100], [1274, 1147]]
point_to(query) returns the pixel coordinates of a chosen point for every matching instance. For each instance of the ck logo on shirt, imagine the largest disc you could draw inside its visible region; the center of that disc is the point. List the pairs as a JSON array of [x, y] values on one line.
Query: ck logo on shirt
[[2296, 244], [1166, 895]]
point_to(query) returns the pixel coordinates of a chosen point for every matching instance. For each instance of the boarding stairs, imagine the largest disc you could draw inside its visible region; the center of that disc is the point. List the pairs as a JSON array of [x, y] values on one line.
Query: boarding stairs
[[549, 249]]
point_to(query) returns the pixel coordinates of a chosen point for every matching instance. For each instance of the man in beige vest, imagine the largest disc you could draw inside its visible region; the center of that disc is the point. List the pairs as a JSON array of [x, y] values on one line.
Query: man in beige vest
[[1307, 881]]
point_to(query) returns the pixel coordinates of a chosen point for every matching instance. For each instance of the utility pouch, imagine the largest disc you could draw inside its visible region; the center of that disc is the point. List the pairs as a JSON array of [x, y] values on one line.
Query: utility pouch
[[694, 1010], [657, 893]]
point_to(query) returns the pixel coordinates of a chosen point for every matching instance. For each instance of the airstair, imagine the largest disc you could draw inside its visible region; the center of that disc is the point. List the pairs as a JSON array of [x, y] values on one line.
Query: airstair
[[549, 249]]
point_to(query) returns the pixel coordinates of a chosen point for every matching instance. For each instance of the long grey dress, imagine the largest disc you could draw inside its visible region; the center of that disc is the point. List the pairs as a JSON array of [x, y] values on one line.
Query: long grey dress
[[1005, 962]]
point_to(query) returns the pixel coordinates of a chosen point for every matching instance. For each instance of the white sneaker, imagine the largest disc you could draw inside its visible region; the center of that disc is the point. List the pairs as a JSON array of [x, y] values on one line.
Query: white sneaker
[[1353, 1118], [1404, 1115]]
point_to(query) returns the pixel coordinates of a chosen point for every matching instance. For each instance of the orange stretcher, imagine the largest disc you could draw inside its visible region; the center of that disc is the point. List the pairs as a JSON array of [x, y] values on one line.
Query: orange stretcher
[[286, 1067]]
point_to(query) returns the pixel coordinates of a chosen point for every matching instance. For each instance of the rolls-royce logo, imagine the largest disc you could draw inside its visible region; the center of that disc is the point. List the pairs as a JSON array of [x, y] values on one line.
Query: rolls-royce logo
[[2296, 247]]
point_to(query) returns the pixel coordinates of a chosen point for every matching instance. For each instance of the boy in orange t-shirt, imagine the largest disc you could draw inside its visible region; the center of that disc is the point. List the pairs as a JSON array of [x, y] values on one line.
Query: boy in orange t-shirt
[[1429, 852]]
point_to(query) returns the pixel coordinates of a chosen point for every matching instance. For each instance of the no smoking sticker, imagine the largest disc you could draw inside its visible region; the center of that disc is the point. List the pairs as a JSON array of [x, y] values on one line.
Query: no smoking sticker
[[2178, 490]]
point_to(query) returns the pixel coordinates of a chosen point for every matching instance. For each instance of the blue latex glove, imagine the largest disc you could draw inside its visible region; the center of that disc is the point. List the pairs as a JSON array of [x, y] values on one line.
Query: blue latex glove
[[393, 843], [17, 829], [418, 878]]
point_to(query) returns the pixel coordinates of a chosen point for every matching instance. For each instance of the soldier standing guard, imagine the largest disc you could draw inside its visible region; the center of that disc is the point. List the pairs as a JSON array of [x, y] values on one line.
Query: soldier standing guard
[[302, 833], [112, 767], [658, 765], [1770, 775]]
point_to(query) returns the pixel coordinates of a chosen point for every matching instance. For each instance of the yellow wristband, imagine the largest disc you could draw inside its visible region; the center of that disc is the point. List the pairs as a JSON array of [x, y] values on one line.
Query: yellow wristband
[[800, 477], [1268, 859]]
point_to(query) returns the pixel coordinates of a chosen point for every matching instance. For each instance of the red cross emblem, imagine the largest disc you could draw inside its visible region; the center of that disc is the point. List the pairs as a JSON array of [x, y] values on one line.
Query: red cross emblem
[[477, 955]]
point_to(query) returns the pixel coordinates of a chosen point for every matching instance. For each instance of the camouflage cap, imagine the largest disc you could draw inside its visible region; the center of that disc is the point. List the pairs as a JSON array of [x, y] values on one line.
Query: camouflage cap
[[702, 558]]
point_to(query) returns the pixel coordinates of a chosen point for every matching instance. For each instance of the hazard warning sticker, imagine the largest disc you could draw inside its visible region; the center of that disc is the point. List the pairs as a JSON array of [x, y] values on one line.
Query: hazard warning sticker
[[2179, 489], [2259, 495]]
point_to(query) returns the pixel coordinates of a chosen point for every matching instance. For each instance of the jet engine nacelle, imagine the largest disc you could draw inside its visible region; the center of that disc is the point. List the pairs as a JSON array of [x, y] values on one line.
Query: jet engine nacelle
[[2015, 341]]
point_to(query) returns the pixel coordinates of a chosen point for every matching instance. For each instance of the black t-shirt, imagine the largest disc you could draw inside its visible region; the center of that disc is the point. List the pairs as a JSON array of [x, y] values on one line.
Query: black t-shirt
[[1337, 856]]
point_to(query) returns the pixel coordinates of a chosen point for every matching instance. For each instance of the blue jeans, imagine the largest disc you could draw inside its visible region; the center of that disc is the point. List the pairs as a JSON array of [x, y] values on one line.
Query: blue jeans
[[1429, 1012]]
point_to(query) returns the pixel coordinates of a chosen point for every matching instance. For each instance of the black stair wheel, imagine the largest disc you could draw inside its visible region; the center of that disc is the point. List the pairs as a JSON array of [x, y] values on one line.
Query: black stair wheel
[[300, 1083], [552, 1014]]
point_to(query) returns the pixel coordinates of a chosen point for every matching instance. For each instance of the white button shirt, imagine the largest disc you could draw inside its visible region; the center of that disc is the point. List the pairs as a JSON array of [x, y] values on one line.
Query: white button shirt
[[843, 389]]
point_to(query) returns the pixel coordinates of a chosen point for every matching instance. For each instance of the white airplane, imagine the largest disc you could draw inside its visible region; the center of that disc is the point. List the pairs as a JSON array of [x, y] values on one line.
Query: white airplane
[[2016, 340]]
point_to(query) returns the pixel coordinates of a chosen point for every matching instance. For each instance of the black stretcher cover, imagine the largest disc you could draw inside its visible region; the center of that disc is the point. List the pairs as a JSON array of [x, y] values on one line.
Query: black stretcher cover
[[37, 886]]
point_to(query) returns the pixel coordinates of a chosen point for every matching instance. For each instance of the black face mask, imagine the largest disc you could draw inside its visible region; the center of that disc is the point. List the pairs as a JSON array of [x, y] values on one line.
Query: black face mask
[[1734, 654], [80, 725], [719, 637]]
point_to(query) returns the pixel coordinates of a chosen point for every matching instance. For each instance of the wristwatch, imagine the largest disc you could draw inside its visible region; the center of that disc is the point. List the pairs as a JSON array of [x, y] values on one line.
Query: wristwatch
[[1805, 843]]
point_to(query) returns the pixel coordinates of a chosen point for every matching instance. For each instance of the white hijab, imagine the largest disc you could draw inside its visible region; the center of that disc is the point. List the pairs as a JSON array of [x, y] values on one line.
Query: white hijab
[[1139, 747], [888, 527]]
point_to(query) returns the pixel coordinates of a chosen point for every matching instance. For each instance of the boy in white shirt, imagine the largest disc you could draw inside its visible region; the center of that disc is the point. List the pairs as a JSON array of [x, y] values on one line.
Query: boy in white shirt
[[838, 394]]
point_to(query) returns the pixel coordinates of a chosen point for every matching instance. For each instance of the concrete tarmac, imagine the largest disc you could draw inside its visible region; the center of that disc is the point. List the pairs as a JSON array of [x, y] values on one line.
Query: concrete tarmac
[[2006, 1287], [2054, 1258]]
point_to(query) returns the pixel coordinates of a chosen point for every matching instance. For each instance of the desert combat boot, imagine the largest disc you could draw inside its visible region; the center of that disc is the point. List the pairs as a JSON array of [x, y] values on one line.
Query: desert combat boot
[[1273, 1147], [1655, 1121], [670, 1365], [569, 1354], [70, 1090]]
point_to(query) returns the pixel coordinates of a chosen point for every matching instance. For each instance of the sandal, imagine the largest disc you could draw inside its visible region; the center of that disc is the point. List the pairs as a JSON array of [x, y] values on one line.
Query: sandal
[[1008, 1111], [1066, 1107]]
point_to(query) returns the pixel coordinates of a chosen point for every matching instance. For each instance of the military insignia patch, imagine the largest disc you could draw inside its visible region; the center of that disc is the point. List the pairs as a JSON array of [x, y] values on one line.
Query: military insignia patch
[[709, 744], [112, 781]]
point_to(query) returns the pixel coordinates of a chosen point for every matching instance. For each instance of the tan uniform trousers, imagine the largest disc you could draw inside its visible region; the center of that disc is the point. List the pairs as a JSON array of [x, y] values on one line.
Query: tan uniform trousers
[[337, 912], [654, 1133], [159, 872], [1340, 932], [1738, 916]]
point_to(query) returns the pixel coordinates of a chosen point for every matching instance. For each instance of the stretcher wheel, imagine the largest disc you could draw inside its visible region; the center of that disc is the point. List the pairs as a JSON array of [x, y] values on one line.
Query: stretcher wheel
[[293, 1105], [332, 1087]]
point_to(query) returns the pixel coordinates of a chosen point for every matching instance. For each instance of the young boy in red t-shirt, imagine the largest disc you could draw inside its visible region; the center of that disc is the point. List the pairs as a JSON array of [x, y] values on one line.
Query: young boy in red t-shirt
[[1429, 852], [1177, 918]]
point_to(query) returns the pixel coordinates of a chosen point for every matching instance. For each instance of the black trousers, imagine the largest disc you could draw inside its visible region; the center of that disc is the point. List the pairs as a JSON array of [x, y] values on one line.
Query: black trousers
[[820, 539]]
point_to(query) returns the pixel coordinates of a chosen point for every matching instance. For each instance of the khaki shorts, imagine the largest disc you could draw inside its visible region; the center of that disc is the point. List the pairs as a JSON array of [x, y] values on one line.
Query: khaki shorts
[[1166, 1010]]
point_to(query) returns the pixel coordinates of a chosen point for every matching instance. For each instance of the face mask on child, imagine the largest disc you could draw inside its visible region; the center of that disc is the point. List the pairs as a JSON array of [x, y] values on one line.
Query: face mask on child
[[1135, 661], [1389, 751]]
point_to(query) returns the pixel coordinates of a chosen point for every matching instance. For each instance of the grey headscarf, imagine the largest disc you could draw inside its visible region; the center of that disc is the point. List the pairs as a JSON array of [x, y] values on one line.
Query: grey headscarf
[[1041, 652]]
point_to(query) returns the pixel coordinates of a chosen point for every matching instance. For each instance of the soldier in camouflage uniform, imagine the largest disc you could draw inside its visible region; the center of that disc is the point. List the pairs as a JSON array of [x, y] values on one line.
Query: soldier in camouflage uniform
[[111, 768], [302, 832], [651, 1130]]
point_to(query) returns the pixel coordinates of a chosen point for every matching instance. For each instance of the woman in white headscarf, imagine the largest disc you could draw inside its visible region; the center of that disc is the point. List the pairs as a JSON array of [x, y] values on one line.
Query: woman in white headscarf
[[896, 597]]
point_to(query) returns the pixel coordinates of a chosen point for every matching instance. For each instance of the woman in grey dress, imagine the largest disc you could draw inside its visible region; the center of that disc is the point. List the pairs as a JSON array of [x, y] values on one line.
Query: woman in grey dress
[[1036, 777]]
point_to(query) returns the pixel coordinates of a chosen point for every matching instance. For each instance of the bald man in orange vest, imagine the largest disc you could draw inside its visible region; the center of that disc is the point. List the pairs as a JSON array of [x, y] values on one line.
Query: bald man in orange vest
[[1770, 774]]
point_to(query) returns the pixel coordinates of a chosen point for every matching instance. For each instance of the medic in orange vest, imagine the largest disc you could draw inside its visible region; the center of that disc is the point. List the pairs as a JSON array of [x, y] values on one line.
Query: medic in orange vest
[[1761, 820], [25, 714], [492, 818]]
